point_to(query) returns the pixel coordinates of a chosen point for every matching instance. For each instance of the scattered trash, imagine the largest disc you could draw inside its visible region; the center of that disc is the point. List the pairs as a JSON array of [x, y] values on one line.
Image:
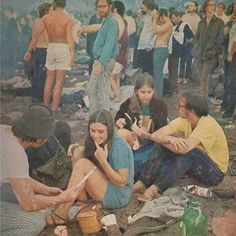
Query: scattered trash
[[194, 220], [199, 191], [230, 126]]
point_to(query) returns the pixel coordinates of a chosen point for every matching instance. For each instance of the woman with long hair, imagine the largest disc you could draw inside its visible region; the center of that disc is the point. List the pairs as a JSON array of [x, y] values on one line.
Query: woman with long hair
[[111, 159], [142, 111]]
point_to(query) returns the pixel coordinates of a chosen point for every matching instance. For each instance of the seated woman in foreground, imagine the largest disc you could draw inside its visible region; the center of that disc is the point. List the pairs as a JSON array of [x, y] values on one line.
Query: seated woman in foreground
[[112, 180], [145, 111], [194, 143]]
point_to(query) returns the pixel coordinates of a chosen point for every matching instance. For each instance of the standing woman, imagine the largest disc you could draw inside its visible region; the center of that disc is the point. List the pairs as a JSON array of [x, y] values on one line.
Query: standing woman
[[144, 110], [112, 181]]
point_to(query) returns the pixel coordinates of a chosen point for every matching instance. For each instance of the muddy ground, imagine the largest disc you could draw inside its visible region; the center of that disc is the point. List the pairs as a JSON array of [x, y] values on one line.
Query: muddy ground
[[12, 104]]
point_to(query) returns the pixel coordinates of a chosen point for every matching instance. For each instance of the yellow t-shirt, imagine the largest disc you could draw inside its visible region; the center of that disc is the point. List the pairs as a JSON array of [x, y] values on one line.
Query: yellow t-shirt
[[211, 136]]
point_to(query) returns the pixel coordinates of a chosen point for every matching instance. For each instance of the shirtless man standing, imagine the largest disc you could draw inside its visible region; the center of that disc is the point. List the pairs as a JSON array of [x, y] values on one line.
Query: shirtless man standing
[[60, 53], [40, 54], [163, 28]]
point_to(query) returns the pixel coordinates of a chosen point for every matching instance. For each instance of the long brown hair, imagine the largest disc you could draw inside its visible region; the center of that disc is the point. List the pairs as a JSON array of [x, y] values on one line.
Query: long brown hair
[[104, 117], [143, 79]]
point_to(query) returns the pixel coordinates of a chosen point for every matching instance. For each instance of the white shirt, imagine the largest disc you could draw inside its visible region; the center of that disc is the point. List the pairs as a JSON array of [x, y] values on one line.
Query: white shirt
[[147, 37], [224, 17], [192, 21], [13, 160]]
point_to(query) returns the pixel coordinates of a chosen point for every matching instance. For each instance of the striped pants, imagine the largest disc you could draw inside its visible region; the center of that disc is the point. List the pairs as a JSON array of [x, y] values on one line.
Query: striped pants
[[16, 222]]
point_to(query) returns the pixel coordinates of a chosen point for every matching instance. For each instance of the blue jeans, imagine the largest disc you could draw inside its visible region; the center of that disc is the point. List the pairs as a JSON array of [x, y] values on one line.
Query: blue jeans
[[185, 70], [140, 157], [164, 168], [159, 58], [40, 73]]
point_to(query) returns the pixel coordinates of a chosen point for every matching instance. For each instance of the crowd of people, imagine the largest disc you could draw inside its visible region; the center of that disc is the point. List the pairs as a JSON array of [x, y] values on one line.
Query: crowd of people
[[138, 149]]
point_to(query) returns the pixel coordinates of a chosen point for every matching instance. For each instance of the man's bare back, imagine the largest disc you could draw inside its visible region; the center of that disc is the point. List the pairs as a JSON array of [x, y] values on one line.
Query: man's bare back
[[58, 24]]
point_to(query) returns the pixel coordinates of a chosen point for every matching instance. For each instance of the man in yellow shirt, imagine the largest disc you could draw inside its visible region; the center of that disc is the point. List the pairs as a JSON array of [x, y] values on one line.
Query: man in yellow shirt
[[194, 143]]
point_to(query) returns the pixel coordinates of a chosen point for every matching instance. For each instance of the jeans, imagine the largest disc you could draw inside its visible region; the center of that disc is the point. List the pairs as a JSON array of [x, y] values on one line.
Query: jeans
[[140, 157], [173, 64], [145, 61], [40, 73], [204, 70], [99, 88], [164, 168], [14, 220], [8, 62], [159, 58], [185, 70], [231, 98]]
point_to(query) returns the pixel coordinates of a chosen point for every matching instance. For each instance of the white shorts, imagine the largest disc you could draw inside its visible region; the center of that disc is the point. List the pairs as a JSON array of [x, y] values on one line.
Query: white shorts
[[58, 56], [117, 68]]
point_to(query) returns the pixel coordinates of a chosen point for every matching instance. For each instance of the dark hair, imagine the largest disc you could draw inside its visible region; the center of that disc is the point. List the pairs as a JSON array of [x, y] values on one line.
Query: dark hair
[[60, 3], [22, 136], [171, 9], [196, 5], [204, 5], [129, 12], [222, 4], [156, 7], [163, 12], [104, 117], [196, 102], [143, 79], [109, 2], [34, 14], [175, 13], [120, 7], [150, 4], [44, 9], [9, 8]]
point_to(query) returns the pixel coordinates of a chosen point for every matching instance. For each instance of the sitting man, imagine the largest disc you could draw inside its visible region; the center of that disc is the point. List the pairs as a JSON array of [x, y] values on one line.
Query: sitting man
[[21, 196], [194, 143]]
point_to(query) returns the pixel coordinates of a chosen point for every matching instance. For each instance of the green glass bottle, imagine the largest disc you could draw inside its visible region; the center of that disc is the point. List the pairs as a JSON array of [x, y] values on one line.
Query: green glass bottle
[[194, 222]]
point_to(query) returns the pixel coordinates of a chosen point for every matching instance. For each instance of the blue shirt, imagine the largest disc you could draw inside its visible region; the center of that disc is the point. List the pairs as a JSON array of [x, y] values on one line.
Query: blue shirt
[[106, 44], [120, 157]]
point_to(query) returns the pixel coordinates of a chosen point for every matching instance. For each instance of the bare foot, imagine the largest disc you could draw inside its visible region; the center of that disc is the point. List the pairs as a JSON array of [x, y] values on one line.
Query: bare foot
[[138, 187], [149, 194], [55, 219]]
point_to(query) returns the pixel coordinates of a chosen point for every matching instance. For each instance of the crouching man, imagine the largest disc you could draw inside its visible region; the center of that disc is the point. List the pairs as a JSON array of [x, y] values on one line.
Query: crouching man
[[22, 198]]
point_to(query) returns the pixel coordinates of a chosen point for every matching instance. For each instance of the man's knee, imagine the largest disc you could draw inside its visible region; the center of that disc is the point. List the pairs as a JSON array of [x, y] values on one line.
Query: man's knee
[[34, 224]]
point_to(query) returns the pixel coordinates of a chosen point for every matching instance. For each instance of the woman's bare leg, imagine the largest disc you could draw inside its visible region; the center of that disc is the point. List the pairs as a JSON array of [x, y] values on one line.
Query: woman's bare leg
[[48, 88], [81, 168]]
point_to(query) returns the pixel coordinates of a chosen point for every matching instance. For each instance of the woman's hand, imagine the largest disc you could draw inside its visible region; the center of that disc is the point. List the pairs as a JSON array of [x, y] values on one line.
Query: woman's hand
[[72, 148], [101, 154], [140, 132], [120, 123]]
